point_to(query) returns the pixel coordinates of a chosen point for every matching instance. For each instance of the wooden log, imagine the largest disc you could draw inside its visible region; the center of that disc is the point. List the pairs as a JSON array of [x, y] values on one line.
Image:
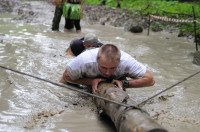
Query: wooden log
[[125, 119]]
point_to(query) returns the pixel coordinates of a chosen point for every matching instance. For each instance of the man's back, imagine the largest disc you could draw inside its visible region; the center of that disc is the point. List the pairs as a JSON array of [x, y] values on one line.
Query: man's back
[[85, 65], [77, 46]]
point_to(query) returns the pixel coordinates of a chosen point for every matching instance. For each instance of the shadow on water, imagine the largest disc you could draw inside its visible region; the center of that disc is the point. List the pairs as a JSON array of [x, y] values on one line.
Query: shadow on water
[[106, 119]]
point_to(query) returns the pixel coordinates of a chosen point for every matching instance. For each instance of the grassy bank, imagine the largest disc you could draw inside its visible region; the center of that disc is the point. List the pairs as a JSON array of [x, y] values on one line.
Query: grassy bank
[[163, 8], [167, 6]]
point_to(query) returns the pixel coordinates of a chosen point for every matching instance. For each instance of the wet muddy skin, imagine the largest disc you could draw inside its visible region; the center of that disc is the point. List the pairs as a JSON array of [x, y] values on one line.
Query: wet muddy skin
[[27, 44]]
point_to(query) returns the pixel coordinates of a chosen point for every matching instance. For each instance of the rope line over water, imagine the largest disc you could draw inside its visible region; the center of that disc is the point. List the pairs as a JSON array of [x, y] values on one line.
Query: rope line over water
[[99, 97], [143, 102], [72, 88]]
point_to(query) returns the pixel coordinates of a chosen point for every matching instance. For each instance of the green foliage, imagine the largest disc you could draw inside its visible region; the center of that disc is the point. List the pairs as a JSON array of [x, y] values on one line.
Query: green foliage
[[171, 9], [93, 2], [111, 3], [156, 6], [156, 27]]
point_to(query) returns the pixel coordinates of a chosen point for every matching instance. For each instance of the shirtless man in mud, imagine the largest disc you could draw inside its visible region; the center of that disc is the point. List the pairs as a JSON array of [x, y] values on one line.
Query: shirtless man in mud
[[79, 45], [107, 63]]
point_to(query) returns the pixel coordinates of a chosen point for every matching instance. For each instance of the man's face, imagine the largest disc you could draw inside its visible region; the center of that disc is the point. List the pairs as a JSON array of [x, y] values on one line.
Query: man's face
[[107, 68], [89, 45]]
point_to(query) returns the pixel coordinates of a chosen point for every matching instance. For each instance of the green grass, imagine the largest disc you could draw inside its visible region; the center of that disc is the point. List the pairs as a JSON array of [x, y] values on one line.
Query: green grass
[[161, 8], [155, 6]]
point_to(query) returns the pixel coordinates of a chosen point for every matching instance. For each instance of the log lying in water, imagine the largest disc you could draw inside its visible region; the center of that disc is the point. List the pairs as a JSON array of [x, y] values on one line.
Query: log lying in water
[[125, 119]]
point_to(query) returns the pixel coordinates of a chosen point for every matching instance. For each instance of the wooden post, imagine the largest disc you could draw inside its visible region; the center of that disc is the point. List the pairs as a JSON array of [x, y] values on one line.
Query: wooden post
[[195, 36], [149, 25], [125, 119]]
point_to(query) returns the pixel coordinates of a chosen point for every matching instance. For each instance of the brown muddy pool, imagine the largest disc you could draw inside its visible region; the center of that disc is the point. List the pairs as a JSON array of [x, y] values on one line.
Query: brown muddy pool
[[28, 104]]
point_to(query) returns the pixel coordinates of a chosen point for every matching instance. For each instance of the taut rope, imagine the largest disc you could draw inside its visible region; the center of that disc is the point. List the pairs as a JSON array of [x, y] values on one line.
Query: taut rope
[[99, 97], [143, 102], [71, 88]]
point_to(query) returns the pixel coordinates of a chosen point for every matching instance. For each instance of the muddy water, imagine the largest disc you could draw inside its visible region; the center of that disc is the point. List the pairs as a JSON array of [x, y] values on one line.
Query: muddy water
[[27, 104]]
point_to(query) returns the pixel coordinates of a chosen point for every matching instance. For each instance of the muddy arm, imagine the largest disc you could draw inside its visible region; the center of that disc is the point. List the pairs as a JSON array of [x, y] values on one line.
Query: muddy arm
[[69, 52], [145, 81], [53, 2], [85, 81]]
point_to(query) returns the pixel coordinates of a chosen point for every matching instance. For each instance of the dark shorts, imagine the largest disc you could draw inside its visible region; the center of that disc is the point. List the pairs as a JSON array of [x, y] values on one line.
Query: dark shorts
[[69, 24]]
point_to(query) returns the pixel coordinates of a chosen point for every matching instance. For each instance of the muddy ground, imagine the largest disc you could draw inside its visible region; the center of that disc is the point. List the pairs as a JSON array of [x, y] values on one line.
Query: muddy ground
[[96, 14], [104, 15], [169, 66], [93, 14]]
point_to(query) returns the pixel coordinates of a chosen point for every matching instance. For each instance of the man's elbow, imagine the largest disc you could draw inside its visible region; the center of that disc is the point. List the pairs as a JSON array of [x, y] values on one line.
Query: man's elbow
[[150, 78], [65, 78], [151, 81], [62, 80]]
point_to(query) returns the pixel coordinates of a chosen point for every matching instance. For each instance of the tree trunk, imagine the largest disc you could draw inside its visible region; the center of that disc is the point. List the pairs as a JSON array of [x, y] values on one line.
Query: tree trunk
[[125, 119]]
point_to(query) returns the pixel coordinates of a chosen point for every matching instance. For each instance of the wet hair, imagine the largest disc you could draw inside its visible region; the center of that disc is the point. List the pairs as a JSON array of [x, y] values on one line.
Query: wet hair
[[110, 52]]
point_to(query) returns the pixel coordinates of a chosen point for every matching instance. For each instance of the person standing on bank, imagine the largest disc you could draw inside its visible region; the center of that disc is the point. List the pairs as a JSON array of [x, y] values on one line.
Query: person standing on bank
[[79, 45], [108, 62], [58, 14], [73, 12]]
